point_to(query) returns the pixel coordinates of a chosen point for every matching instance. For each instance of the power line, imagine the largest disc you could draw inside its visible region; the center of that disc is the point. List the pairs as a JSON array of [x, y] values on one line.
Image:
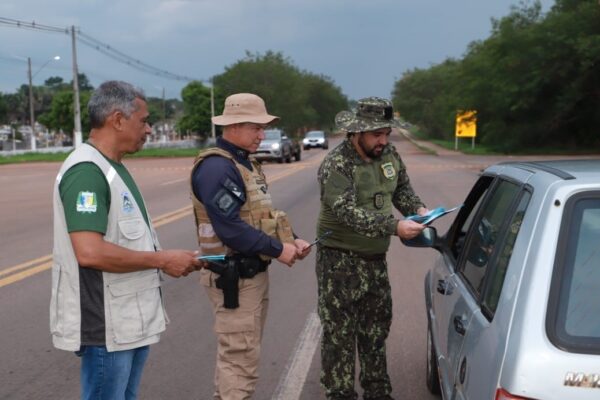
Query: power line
[[32, 25], [128, 60], [100, 47]]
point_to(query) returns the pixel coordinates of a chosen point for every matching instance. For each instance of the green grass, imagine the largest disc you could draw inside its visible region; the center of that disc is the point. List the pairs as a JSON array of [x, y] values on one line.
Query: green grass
[[59, 157], [193, 152], [464, 146], [33, 157]]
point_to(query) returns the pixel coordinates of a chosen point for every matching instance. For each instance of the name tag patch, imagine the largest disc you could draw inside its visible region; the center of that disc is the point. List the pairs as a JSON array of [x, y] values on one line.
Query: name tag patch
[[378, 201]]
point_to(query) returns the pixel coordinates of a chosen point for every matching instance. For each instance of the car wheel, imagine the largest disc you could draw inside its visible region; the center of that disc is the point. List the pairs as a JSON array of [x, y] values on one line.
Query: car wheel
[[433, 378], [298, 155], [288, 159]]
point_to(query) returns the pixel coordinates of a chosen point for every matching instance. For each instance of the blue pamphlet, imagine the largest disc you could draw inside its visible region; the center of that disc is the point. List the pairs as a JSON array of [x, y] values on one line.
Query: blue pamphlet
[[432, 215], [218, 257]]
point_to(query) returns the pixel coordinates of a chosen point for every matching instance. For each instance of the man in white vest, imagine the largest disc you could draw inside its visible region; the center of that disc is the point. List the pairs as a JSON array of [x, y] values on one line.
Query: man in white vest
[[106, 302]]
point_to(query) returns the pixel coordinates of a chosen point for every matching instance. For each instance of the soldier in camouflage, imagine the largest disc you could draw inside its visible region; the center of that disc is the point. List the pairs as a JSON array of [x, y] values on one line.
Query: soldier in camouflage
[[361, 179]]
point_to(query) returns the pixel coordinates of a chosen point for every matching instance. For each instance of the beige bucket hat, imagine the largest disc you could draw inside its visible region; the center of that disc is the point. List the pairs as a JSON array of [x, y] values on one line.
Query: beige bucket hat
[[244, 107]]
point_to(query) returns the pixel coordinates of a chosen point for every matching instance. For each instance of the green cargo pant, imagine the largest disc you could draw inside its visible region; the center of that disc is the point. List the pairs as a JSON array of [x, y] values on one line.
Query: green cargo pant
[[355, 307]]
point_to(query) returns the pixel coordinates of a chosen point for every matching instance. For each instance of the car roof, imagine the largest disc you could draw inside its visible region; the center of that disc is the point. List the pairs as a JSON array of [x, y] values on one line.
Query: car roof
[[563, 169]]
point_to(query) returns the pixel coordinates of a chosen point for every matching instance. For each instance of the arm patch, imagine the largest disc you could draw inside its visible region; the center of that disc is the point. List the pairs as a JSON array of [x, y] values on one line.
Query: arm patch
[[235, 190], [225, 202]]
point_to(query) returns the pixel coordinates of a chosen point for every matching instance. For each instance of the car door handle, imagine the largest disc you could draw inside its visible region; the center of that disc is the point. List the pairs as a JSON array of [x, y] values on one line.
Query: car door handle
[[459, 325], [444, 287]]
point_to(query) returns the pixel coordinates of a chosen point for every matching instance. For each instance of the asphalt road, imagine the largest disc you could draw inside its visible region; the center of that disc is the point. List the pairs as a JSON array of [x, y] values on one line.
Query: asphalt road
[[181, 365]]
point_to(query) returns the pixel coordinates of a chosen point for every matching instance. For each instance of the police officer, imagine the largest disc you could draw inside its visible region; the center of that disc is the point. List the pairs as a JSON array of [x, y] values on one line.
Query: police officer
[[234, 216], [361, 179]]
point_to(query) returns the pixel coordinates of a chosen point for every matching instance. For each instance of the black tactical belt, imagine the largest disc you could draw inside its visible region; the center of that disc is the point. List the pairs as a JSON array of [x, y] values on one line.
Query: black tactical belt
[[368, 257]]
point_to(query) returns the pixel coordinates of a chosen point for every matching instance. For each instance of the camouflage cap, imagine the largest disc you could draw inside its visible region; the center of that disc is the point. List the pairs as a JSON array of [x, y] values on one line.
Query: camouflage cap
[[372, 113]]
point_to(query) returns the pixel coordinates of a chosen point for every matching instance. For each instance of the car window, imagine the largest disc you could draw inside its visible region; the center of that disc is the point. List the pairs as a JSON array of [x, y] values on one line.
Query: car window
[[576, 279], [458, 232], [497, 274], [272, 135], [315, 134], [486, 233]]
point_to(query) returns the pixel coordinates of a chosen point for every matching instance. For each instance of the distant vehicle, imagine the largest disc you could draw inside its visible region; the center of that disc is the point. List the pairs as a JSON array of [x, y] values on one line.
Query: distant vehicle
[[315, 139], [278, 146], [512, 300]]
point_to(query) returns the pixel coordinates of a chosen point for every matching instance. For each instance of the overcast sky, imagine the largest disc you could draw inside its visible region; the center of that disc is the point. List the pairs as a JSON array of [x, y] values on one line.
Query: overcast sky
[[363, 45]]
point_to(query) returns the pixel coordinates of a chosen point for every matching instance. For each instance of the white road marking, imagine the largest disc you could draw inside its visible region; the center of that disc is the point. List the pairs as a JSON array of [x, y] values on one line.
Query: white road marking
[[173, 181], [292, 381]]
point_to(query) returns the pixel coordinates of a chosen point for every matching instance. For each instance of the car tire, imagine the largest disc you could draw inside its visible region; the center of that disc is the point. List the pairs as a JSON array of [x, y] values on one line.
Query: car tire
[[298, 155], [433, 377]]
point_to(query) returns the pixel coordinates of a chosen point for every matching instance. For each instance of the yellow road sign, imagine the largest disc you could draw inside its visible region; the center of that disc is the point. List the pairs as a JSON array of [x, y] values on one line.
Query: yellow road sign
[[466, 124]]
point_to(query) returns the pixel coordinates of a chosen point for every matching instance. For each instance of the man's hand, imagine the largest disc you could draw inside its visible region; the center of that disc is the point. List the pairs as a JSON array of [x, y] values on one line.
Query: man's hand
[[178, 263], [288, 255], [422, 211], [408, 229], [302, 248]]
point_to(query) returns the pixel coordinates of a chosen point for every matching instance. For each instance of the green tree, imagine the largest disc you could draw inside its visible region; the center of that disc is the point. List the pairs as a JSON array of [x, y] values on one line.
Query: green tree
[[303, 100], [534, 82], [3, 110], [61, 115], [196, 110]]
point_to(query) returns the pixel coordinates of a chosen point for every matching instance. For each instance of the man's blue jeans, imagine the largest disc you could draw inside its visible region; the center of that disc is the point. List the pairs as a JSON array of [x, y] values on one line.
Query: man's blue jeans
[[111, 375]]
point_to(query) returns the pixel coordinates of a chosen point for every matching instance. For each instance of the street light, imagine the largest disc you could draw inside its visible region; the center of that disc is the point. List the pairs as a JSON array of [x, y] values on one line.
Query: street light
[[31, 113]]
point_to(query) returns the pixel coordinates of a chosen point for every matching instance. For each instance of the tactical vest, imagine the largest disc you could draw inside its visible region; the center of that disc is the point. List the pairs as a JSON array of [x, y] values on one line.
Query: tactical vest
[[257, 211], [134, 312], [375, 183]]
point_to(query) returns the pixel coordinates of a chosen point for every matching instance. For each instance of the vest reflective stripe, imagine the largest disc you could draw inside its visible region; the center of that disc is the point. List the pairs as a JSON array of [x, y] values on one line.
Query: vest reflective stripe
[[257, 211], [111, 175]]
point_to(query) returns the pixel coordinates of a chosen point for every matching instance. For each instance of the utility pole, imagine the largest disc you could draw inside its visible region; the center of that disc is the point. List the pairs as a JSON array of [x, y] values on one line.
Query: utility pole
[[31, 115], [77, 139], [212, 108]]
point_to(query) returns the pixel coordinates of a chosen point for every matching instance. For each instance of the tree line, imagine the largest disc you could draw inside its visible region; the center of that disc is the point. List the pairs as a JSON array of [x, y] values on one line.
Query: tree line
[[302, 99], [534, 82]]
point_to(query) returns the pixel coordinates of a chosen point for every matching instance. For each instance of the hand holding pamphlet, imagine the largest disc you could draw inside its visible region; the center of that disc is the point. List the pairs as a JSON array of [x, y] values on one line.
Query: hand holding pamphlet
[[432, 215]]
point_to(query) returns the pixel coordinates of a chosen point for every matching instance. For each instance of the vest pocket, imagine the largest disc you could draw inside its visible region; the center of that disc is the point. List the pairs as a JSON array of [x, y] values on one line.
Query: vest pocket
[[135, 307], [131, 233], [269, 226]]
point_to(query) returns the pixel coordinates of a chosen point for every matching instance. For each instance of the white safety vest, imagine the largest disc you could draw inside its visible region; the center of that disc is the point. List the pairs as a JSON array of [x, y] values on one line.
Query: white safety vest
[[134, 312]]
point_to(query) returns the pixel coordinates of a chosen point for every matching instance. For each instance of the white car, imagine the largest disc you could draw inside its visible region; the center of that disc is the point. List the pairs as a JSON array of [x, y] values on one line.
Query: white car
[[513, 300], [315, 139]]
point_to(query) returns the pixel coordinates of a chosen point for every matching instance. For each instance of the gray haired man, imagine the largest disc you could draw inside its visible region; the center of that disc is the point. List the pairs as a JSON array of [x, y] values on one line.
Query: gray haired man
[[106, 302]]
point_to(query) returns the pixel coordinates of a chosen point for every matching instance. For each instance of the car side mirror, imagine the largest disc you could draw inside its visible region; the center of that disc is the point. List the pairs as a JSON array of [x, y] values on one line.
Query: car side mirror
[[427, 238]]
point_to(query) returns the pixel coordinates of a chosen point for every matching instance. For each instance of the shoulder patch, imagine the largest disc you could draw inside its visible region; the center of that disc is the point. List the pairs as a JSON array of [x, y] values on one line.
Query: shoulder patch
[[87, 202], [235, 189], [224, 201]]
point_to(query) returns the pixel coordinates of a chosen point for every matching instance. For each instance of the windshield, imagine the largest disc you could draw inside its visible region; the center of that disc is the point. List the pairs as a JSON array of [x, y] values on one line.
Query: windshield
[[315, 134], [272, 135]]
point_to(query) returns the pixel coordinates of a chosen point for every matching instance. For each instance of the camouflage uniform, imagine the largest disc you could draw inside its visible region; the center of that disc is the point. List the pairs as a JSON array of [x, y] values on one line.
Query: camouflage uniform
[[355, 304]]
